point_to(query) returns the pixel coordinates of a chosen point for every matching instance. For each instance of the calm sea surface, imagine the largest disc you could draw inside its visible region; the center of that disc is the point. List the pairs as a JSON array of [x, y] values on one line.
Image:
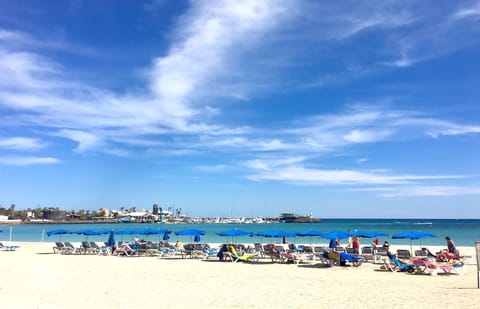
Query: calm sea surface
[[463, 232]]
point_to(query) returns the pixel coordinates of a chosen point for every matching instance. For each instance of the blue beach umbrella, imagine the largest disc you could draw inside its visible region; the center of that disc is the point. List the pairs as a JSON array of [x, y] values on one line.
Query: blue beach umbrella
[[191, 232], [58, 232], [412, 236], [233, 233], [124, 232], [309, 233], [111, 239], [278, 233], [88, 232], [334, 235], [166, 235]]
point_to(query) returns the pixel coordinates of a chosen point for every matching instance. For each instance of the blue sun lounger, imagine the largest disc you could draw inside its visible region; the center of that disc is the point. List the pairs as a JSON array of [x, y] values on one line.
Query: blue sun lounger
[[402, 266]]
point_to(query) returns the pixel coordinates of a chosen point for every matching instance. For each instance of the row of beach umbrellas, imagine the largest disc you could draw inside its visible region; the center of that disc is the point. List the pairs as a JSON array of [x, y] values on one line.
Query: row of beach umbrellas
[[195, 233]]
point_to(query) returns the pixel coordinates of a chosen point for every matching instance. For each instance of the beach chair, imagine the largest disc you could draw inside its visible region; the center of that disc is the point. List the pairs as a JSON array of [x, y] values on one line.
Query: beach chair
[[59, 247], [353, 251], [381, 253], [431, 268], [403, 254], [100, 248], [247, 257], [8, 247], [125, 250], [73, 247], [369, 254], [272, 252], [402, 266], [259, 249]]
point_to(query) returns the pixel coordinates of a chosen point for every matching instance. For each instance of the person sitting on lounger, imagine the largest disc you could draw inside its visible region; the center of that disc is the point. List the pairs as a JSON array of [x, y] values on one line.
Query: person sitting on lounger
[[125, 250]]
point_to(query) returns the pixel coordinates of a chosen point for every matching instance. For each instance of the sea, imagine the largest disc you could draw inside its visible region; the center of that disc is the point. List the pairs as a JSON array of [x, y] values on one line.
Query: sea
[[465, 232]]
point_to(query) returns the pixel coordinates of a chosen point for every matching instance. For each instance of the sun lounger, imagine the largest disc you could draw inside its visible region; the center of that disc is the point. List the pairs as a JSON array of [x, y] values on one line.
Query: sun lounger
[[8, 247], [246, 257], [431, 268], [59, 247], [403, 254], [402, 266], [73, 247]]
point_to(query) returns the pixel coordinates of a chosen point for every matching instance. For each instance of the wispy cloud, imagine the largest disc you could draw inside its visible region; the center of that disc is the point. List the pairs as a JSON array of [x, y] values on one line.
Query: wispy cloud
[[24, 160], [300, 175], [468, 12], [425, 190], [21, 143], [211, 168]]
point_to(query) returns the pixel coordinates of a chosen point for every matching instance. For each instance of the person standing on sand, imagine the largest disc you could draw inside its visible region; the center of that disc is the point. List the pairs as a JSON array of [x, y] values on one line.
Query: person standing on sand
[[451, 246], [356, 244]]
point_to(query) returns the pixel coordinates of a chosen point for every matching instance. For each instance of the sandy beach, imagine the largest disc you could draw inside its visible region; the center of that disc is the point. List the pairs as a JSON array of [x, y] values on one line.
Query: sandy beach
[[34, 277]]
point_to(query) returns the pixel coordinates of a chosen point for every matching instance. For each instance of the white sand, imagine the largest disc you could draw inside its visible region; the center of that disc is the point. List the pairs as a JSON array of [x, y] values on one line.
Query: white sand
[[34, 277]]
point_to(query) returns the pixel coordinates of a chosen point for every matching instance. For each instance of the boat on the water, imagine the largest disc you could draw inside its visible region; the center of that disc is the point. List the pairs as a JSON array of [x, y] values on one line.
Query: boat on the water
[[295, 218]]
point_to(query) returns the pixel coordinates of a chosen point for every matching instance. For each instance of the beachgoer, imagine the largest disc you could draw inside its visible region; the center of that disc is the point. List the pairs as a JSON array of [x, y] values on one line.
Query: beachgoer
[[337, 243], [221, 251], [376, 241], [386, 245], [356, 243], [178, 244], [451, 246], [349, 240]]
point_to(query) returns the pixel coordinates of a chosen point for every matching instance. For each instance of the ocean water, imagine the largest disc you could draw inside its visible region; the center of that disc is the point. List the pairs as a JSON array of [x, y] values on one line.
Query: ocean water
[[463, 232]]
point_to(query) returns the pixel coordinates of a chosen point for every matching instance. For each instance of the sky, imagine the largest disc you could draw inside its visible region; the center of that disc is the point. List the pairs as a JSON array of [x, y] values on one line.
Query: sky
[[242, 108]]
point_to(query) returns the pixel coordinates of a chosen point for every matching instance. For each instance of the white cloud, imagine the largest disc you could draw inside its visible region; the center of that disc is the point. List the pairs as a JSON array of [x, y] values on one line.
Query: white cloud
[[24, 161], [426, 191], [211, 168], [362, 160], [84, 139], [21, 143], [308, 176], [467, 12]]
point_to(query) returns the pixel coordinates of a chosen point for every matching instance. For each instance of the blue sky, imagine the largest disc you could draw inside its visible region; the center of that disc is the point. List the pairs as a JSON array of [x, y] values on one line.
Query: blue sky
[[242, 108]]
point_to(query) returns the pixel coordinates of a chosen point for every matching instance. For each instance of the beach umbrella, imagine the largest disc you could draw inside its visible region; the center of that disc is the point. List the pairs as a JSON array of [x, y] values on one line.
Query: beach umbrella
[[111, 239], [88, 232], [58, 232], [166, 235], [413, 236], [309, 233], [277, 233], [233, 233], [191, 232], [334, 235]]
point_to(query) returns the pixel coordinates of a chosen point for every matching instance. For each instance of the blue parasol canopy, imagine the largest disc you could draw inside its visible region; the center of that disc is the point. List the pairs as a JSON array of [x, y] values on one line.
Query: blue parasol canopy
[[275, 234], [58, 232], [411, 236], [191, 232], [166, 235], [233, 233], [111, 239], [309, 233], [88, 232], [336, 235]]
